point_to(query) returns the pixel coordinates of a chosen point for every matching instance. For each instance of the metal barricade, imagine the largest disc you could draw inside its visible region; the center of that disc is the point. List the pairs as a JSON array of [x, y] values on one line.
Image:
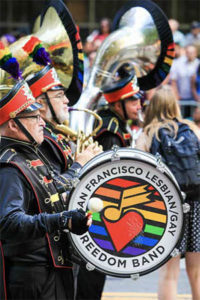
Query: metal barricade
[[188, 107]]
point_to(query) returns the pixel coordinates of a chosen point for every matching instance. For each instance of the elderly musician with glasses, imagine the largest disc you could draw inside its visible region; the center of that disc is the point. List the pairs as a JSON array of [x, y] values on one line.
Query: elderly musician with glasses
[[49, 91], [33, 254]]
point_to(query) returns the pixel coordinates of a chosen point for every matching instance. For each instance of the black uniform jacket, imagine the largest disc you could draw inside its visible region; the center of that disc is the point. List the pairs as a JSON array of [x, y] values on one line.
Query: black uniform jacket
[[58, 152], [113, 130], [29, 216]]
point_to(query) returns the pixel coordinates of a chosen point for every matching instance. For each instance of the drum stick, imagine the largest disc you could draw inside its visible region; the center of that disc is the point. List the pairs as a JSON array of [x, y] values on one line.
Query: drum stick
[[95, 205]]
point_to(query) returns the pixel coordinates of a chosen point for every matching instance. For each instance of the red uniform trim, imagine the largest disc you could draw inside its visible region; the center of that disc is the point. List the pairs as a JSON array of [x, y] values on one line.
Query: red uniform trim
[[61, 150], [4, 277], [106, 130]]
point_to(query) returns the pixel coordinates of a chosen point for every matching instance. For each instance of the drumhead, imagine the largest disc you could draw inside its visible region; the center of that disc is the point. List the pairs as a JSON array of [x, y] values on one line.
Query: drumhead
[[142, 218]]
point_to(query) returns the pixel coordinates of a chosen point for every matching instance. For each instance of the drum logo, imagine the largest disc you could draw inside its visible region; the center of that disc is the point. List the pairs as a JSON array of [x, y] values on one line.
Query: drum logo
[[139, 219]]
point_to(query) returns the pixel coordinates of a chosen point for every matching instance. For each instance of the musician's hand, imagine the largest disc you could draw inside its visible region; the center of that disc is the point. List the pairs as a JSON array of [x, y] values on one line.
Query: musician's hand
[[91, 151], [76, 221]]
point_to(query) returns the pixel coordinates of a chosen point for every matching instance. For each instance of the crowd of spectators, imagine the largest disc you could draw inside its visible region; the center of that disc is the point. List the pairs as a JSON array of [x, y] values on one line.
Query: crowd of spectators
[[184, 71], [92, 43], [184, 76]]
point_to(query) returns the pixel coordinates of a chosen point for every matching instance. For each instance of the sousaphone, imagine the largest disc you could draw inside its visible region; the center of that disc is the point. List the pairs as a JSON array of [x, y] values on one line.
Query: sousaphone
[[141, 39], [60, 37]]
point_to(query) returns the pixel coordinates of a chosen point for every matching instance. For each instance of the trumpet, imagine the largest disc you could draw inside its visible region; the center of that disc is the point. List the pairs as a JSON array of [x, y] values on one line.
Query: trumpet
[[79, 137]]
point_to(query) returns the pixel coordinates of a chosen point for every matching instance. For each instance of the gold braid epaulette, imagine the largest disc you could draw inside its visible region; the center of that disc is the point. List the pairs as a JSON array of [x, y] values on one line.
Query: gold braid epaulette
[[113, 122]]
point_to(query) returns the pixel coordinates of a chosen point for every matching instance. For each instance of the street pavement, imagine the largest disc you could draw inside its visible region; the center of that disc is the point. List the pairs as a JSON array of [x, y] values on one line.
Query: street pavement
[[144, 288]]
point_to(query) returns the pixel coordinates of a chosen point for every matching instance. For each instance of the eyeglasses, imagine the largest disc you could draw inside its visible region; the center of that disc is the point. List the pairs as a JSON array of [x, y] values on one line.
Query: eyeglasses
[[61, 96], [37, 117]]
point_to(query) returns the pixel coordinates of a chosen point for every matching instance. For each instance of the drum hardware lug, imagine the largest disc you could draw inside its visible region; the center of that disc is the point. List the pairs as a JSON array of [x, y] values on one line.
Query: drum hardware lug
[[186, 208], [115, 156], [175, 252], [74, 182], [160, 164], [135, 276], [183, 195], [90, 267]]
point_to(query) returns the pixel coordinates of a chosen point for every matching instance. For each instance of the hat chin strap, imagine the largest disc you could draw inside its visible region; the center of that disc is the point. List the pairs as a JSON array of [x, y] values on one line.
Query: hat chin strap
[[124, 109], [25, 131], [51, 108]]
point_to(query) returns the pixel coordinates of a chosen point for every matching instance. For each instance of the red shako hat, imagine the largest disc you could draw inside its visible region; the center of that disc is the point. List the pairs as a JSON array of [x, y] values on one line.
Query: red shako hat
[[16, 98], [122, 89]]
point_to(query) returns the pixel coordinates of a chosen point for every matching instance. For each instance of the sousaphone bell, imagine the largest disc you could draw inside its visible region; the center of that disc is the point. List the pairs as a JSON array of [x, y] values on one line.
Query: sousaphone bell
[[60, 37], [142, 40]]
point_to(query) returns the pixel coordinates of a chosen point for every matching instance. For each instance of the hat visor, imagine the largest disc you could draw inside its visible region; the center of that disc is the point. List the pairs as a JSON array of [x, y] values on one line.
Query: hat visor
[[57, 87], [135, 96], [33, 107], [138, 95]]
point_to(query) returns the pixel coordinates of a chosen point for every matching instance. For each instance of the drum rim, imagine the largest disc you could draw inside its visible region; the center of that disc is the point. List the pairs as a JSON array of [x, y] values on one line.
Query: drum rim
[[128, 275]]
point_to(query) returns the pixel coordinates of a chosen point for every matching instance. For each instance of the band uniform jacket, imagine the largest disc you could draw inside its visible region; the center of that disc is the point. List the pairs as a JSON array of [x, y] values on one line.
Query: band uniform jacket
[[58, 152], [113, 130], [30, 207]]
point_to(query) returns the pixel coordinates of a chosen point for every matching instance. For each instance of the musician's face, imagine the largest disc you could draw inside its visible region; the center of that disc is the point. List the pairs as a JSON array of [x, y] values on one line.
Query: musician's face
[[32, 122], [59, 103], [132, 107]]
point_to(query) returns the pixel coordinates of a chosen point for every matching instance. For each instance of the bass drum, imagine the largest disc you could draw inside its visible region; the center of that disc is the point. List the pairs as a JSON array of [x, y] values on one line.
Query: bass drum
[[141, 223]]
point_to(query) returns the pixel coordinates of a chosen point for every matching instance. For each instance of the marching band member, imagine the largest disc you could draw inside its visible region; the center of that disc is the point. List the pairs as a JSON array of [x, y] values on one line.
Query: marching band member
[[49, 91], [32, 211], [123, 99]]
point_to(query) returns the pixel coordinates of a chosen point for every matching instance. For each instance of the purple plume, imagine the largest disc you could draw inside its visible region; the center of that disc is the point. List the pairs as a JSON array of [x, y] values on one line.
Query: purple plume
[[12, 66], [42, 57]]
